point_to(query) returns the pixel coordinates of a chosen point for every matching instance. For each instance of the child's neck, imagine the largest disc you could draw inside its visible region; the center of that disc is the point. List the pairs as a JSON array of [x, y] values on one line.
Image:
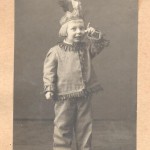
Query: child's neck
[[70, 43], [67, 42]]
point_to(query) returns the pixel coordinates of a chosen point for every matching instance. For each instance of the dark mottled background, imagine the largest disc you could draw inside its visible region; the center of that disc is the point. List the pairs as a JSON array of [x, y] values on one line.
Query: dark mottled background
[[36, 30]]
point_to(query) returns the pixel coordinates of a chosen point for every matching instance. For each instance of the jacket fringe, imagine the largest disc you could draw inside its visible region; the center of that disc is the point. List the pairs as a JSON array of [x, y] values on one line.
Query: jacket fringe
[[83, 93]]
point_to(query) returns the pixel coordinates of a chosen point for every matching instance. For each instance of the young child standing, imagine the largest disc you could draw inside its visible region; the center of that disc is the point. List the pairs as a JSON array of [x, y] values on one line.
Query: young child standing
[[70, 81]]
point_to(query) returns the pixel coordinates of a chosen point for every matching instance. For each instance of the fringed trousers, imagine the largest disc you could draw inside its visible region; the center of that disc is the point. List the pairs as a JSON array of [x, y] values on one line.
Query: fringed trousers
[[73, 116]]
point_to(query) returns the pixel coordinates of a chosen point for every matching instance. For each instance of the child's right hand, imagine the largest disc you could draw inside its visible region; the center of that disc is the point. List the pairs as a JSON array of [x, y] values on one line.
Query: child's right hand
[[49, 95]]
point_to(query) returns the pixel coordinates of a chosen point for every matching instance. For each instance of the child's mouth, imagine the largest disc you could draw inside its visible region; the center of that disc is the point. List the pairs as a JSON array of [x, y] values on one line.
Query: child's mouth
[[78, 37]]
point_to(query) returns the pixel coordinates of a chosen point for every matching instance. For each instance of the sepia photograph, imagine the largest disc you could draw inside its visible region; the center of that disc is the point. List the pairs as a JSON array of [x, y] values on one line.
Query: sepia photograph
[[75, 75]]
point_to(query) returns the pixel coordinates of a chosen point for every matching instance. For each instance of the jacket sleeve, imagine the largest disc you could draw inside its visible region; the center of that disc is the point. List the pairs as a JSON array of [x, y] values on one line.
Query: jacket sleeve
[[96, 46], [50, 71]]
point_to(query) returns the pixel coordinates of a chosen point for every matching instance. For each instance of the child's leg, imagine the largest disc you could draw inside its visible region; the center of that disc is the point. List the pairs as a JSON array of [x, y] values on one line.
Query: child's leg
[[83, 128], [63, 124]]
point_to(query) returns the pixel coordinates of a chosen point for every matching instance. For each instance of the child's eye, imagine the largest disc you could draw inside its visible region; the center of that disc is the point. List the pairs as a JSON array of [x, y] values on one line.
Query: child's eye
[[81, 28]]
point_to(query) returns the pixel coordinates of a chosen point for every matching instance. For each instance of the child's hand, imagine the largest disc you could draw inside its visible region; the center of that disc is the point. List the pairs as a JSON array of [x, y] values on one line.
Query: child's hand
[[49, 95], [92, 33], [90, 30]]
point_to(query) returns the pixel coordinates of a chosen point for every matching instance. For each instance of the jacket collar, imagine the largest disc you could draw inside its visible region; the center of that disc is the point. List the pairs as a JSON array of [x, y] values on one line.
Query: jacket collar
[[71, 47]]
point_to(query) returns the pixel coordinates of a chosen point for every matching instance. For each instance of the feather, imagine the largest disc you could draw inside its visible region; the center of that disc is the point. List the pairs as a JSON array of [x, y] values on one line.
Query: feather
[[76, 4], [64, 4]]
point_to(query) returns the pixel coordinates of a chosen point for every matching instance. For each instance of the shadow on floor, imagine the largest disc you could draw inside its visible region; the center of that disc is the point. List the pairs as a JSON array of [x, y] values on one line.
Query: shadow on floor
[[107, 135]]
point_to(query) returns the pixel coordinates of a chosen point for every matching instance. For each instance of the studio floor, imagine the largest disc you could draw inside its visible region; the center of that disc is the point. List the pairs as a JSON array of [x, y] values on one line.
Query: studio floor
[[107, 135]]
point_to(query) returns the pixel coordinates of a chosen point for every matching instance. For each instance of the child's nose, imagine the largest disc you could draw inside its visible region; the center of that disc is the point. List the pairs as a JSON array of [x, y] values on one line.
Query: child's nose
[[78, 31]]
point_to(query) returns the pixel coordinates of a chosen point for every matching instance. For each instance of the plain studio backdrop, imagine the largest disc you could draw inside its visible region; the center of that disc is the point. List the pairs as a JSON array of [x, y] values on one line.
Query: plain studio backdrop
[[36, 31]]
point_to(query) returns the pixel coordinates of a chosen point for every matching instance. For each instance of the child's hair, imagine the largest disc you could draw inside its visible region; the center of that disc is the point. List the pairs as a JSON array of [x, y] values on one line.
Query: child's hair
[[63, 29]]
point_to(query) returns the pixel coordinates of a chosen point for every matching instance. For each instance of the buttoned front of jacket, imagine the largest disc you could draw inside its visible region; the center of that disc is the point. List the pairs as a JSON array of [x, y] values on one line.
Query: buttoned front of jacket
[[69, 72]]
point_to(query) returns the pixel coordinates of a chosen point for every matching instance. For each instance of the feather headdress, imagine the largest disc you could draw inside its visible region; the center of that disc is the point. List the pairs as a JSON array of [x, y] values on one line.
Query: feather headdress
[[75, 14]]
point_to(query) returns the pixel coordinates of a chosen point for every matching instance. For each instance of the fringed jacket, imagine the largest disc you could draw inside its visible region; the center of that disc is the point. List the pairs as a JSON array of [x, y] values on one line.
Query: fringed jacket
[[68, 70]]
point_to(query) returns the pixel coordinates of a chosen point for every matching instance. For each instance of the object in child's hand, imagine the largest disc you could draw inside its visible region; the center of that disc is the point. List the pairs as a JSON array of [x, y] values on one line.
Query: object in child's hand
[[95, 36]]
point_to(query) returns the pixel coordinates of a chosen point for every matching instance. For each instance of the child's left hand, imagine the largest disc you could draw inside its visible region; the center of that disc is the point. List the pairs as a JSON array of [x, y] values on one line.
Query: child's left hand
[[90, 30], [93, 33]]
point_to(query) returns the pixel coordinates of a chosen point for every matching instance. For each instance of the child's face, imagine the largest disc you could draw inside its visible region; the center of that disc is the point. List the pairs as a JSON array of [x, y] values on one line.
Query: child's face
[[75, 31]]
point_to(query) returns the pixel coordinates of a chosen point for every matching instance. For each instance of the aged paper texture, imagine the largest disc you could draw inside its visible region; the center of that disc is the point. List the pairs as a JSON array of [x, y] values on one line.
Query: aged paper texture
[[7, 71]]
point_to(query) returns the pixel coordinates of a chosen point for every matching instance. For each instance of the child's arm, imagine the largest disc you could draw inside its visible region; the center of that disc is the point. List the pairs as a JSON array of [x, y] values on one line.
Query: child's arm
[[50, 74], [97, 41], [97, 46]]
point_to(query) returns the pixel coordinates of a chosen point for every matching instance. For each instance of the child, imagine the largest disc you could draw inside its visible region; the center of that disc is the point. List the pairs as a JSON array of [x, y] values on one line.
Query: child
[[70, 81]]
